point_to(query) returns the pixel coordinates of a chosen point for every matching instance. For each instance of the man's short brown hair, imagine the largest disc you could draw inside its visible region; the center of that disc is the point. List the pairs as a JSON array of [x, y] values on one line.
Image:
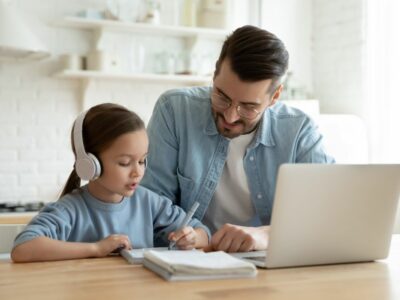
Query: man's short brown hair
[[255, 54]]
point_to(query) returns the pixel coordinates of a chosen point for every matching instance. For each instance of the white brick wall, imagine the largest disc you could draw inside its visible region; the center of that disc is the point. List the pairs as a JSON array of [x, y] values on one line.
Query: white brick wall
[[37, 110], [291, 21], [338, 60]]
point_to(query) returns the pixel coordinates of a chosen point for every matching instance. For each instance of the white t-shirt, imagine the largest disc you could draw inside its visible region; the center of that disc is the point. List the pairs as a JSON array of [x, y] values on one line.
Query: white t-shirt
[[231, 202]]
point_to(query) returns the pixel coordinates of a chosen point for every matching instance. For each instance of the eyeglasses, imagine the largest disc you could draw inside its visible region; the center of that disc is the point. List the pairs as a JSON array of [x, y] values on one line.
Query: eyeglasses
[[223, 103]]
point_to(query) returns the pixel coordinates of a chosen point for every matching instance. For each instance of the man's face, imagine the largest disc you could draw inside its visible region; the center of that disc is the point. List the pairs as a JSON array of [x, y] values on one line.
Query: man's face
[[245, 99]]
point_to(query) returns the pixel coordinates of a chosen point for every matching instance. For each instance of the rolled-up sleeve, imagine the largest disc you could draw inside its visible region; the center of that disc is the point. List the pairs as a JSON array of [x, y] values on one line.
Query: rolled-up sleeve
[[169, 217]]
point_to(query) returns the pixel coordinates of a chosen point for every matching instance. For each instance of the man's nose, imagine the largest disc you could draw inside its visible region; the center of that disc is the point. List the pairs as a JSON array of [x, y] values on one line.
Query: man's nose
[[231, 114]]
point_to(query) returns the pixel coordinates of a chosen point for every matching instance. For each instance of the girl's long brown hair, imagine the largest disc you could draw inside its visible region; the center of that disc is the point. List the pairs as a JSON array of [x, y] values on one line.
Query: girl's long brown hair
[[102, 125]]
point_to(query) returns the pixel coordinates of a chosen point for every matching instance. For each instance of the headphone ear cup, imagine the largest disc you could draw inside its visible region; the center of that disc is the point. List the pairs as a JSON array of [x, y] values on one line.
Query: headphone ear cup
[[97, 166], [88, 167]]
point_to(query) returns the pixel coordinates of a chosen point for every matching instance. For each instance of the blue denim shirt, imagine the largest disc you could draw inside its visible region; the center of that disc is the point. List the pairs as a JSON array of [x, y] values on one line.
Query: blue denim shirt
[[187, 154]]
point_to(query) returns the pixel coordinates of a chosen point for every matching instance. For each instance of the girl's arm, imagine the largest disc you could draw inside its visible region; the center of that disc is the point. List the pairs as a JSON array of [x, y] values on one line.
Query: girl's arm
[[46, 249]]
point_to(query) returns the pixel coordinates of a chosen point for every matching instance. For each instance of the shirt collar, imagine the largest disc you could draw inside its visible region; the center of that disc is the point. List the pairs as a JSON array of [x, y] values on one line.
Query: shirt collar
[[210, 127], [264, 131]]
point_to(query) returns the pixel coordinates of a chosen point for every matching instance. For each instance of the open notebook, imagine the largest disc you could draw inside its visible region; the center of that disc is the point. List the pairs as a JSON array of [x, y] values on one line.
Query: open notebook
[[135, 256], [177, 265]]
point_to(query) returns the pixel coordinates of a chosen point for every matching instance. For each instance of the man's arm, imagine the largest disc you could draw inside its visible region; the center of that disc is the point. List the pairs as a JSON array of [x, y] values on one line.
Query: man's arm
[[310, 147], [160, 175]]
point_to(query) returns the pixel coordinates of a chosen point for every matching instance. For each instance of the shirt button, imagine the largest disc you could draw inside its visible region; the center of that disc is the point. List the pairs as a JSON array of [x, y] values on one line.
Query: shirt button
[[259, 196], [251, 158]]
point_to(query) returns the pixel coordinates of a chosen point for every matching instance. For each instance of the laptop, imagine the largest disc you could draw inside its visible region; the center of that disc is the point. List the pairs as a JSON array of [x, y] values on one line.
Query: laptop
[[329, 214]]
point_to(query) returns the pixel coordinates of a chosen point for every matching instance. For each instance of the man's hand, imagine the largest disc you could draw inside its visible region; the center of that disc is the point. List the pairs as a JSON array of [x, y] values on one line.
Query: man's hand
[[235, 238]]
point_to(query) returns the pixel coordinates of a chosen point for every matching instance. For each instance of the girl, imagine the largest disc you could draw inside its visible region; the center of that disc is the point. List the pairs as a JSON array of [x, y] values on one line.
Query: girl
[[112, 211]]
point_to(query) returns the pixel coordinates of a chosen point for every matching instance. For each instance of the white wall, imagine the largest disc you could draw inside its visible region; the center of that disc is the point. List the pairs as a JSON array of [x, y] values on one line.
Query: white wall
[[326, 43], [325, 40], [291, 21], [37, 110], [338, 55]]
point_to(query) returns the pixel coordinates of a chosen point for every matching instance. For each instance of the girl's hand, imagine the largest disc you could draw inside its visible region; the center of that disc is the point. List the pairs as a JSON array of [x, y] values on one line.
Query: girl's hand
[[185, 238], [111, 243]]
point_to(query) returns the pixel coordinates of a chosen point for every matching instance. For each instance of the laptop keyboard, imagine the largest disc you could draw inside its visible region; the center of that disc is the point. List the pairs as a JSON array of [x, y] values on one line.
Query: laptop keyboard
[[260, 259]]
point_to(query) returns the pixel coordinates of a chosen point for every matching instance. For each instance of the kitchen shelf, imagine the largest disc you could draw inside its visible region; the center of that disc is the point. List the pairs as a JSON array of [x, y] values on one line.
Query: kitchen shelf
[[190, 35], [110, 25], [166, 78]]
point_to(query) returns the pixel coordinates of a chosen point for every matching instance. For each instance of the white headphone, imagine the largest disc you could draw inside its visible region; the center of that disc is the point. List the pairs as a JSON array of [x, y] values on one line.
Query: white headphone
[[87, 166]]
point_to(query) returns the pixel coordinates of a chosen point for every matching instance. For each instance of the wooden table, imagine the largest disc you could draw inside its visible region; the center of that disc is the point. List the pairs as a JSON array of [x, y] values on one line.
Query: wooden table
[[16, 218], [112, 278]]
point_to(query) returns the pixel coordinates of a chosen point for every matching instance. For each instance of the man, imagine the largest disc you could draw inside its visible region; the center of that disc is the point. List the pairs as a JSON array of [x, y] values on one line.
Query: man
[[222, 145]]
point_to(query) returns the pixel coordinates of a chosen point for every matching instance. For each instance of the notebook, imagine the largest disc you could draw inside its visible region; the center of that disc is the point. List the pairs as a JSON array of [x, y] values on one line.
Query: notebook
[[135, 256], [176, 265], [328, 214]]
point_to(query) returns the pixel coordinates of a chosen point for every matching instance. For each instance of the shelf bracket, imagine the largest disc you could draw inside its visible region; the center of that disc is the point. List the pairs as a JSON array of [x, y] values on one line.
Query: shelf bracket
[[191, 43], [99, 38], [86, 85]]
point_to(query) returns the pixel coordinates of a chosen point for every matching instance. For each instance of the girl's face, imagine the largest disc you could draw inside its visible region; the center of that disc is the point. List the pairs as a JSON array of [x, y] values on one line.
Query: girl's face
[[123, 166]]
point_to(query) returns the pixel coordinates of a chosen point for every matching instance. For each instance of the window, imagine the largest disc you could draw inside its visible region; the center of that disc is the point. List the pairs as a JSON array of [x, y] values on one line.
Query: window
[[383, 81]]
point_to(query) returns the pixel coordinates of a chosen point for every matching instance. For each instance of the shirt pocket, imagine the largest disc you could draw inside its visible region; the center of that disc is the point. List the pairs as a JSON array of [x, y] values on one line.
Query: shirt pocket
[[186, 185]]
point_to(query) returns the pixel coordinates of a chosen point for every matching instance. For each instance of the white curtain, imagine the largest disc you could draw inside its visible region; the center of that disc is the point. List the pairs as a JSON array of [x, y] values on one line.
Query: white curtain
[[383, 79]]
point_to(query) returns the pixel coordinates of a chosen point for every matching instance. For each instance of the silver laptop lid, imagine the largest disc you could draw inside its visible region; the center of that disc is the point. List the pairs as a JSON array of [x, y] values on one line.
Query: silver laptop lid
[[325, 214]]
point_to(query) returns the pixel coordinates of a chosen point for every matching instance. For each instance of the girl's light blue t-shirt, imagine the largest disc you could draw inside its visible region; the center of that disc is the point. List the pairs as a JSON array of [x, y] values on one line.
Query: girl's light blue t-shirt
[[80, 217]]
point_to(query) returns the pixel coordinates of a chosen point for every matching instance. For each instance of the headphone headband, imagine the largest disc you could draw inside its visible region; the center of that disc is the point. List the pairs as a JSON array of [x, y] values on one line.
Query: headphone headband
[[87, 166], [78, 135]]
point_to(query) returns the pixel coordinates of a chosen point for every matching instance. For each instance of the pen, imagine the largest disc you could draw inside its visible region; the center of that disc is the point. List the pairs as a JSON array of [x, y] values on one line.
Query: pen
[[185, 221]]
